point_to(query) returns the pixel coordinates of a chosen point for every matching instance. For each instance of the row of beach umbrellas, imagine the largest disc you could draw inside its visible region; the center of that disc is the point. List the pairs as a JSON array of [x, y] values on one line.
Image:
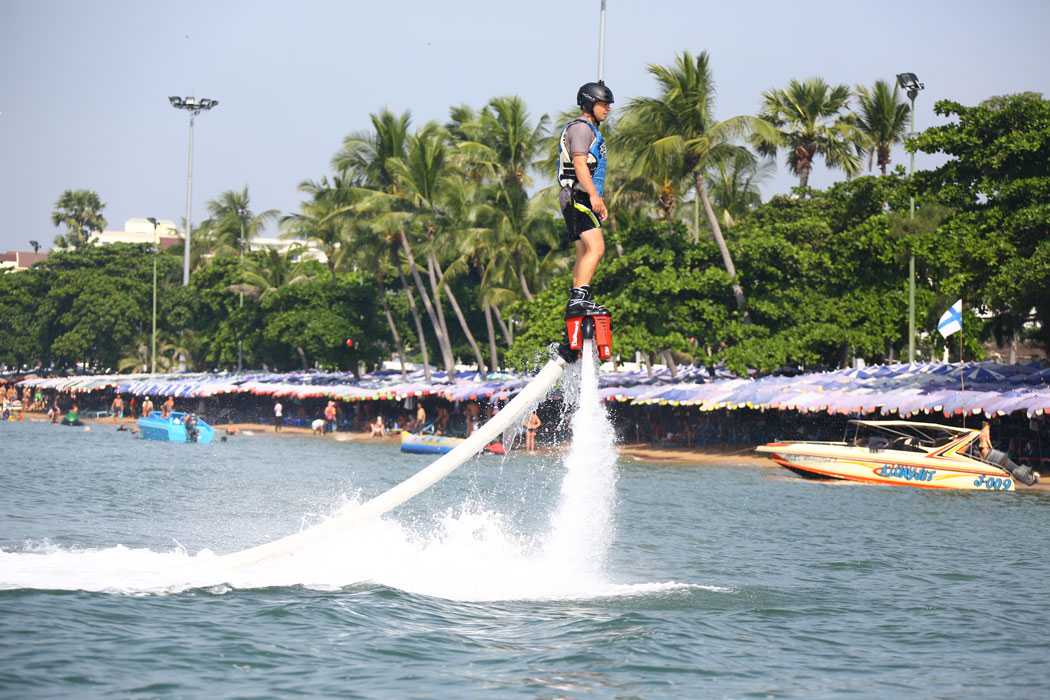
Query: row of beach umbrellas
[[902, 389]]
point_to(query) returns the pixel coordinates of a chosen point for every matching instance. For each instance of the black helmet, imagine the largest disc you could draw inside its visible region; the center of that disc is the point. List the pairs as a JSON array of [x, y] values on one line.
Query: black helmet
[[589, 93]]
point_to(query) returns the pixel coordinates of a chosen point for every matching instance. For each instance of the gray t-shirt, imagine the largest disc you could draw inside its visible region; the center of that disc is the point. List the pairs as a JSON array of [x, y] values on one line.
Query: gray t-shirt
[[578, 139]]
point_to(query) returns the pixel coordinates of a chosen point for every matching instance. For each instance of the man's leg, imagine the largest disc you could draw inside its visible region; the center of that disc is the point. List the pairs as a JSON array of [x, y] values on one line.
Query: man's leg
[[589, 251]]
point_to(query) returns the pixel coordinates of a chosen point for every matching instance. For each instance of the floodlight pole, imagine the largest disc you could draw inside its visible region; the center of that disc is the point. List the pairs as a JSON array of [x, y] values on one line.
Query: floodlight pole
[[911, 252], [187, 226], [910, 82], [601, 44], [194, 106]]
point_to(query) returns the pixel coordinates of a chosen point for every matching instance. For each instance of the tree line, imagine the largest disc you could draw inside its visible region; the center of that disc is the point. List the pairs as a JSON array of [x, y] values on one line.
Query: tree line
[[442, 242]]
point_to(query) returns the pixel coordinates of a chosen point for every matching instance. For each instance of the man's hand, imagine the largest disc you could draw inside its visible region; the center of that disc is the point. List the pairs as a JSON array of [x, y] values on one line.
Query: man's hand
[[598, 207]]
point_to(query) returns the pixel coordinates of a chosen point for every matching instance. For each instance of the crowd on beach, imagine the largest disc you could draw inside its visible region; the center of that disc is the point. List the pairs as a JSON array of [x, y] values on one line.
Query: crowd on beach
[[650, 426]]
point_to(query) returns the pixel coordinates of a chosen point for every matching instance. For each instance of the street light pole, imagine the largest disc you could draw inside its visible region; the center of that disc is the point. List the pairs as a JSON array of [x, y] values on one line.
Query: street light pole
[[910, 82], [194, 106], [240, 354], [153, 341]]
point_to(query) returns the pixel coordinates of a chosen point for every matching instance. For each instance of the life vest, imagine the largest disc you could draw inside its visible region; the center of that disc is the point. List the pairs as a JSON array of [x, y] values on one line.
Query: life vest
[[596, 157]]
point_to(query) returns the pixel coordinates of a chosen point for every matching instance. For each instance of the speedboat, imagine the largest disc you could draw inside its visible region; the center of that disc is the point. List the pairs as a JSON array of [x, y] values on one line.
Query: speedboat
[[903, 453], [427, 442], [175, 427]]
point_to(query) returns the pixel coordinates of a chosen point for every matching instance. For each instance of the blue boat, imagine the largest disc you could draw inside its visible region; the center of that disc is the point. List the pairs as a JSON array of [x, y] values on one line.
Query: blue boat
[[177, 427], [427, 443]]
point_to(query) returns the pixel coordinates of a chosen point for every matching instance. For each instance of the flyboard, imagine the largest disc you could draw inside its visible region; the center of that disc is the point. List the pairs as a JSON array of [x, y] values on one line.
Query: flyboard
[[578, 329]]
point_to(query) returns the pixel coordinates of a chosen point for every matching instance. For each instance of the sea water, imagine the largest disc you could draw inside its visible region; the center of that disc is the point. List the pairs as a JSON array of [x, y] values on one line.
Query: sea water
[[568, 574]]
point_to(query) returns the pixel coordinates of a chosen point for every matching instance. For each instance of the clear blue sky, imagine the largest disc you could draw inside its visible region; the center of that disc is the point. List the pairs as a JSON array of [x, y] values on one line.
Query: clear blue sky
[[84, 85]]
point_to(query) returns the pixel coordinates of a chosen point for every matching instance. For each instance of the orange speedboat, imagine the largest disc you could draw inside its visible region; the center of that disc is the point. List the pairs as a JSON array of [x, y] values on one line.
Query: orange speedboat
[[903, 453]]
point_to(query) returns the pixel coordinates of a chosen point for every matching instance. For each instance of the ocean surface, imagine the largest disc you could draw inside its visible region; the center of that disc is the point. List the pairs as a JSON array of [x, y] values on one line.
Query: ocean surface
[[569, 574]]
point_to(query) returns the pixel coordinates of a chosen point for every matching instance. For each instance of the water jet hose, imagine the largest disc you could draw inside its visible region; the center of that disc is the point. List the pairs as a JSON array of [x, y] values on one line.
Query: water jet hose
[[511, 415]]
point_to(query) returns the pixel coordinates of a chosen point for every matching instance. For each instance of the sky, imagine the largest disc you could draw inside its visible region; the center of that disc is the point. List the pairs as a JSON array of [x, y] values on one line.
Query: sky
[[84, 85]]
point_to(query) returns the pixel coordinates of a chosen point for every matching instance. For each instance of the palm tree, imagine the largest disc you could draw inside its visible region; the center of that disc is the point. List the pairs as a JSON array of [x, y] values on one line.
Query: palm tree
[[504, 127], [35, 245], [81, 213], [363, 161], [363, 157], [733, 181], [426, 183], [232, 223], [267, 271], [325, 221], [809, 118], [882, 119], [677, 135], [499, 146], [170, 355]]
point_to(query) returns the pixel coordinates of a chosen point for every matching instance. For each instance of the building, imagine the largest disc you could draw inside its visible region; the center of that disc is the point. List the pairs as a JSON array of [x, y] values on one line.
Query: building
[[141, 232], [18, 260]]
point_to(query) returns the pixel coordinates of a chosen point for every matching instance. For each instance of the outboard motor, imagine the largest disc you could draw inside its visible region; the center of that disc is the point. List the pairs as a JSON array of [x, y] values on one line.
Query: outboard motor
[[1021, 472]]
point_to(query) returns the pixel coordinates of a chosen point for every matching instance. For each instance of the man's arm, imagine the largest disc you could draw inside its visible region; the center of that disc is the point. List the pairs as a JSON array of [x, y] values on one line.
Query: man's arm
[[583, 176]]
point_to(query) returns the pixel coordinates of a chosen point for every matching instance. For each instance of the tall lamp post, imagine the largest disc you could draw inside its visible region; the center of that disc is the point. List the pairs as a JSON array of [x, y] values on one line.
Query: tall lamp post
[[194, 106], [241, 214], [153, 340], [910, 83]]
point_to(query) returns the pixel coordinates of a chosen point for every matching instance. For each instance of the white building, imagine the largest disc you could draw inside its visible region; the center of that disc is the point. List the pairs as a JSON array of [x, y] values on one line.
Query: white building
[[140, 231]]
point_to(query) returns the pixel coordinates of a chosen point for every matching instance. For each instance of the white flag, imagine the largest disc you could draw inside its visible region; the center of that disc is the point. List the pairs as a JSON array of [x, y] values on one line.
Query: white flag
[[951, 320]]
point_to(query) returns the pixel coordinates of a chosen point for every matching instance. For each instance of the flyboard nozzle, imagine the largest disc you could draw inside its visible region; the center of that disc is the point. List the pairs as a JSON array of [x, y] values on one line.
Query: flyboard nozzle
[[588, 328], [596, 327]]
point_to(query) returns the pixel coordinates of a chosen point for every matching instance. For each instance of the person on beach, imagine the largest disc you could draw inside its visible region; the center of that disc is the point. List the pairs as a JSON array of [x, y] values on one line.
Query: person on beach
[[377, 427], [532, 424], [278, 416], [421, 416], [147, 407], [329, 417], [581, 174], [473, 413], [168, 406], [441, 422], [116, 408]]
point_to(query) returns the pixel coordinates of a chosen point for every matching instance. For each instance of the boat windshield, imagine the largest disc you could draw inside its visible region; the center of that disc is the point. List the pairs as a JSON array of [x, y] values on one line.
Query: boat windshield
[[901, 436]]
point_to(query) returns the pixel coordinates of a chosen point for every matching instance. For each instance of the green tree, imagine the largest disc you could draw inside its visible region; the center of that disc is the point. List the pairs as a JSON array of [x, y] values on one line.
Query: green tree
[[97, 303], [80, 211], [882, 120], [307, 324], [809, 116], [997, 182], [678, 130]]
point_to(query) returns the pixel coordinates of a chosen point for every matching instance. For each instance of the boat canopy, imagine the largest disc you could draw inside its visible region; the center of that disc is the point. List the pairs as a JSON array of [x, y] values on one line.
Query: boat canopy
[[897, 425], [909, 435]]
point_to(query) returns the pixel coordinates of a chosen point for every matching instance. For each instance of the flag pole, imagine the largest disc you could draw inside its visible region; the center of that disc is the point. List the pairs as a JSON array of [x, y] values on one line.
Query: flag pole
[[962, 367]]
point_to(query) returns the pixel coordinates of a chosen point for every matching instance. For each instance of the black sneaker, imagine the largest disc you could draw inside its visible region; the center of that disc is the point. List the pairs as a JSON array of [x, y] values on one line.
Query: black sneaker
[[584, 307]]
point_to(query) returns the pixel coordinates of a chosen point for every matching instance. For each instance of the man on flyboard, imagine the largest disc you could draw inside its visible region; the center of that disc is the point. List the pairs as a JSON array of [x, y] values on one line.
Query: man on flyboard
[[581, 173]]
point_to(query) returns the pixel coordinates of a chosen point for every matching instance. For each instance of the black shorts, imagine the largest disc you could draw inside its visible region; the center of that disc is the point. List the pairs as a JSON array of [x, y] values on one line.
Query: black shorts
[[579, 216]]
